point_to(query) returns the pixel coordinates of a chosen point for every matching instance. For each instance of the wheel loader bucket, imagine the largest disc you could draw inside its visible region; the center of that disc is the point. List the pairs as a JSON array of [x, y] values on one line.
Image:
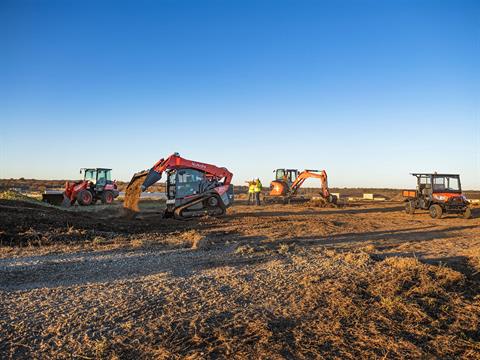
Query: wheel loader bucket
[[53, 198]]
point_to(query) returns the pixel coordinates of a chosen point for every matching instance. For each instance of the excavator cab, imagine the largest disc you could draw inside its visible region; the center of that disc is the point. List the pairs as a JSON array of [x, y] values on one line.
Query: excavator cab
[[286, 175]]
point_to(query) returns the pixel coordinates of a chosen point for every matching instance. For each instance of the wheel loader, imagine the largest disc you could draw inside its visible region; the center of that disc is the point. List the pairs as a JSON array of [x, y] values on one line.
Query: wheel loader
[[96, 185], [192, 188]]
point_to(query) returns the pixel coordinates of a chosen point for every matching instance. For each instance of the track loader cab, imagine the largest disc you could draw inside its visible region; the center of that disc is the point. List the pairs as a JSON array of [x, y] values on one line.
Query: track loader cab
[[437, 193], [191, 192]]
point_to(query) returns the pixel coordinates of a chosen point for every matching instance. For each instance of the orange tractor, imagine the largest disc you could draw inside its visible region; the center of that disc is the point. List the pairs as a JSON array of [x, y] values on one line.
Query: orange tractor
[[288, 181]]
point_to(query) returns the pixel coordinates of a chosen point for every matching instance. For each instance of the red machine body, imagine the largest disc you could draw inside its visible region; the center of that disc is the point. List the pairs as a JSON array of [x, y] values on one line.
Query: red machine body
[[193, 188], [96, 185]]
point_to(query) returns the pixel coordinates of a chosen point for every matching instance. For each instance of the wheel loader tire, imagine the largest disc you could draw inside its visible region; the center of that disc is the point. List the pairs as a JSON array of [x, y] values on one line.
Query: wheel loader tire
[[436, 211], [468, 213], [409, 208], [85, 198], [107, 197]]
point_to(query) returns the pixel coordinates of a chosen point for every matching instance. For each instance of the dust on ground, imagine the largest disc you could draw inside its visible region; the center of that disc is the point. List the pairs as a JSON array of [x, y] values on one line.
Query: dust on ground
[[277, 281]]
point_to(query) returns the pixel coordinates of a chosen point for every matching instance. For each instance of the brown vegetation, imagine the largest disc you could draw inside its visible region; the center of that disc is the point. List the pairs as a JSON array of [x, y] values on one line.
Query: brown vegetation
[[295, 281]]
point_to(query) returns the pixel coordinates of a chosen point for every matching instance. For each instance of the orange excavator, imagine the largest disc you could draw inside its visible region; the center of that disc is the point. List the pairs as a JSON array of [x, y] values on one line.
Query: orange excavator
[[192, 188], [287, 182]]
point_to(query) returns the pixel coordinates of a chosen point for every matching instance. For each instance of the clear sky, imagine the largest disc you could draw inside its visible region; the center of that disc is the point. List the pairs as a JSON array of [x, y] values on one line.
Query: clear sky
[[368, 90]]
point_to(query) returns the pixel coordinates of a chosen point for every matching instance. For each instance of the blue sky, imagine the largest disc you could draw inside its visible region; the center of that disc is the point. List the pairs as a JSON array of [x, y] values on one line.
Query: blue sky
[[368, 90]]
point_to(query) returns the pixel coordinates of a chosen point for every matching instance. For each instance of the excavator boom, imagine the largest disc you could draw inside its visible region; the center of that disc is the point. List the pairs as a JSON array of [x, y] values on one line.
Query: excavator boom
[[307, 174]]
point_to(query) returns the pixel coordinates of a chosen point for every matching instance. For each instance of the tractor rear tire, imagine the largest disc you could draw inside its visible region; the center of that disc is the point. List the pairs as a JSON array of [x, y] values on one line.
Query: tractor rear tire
[[107, 197], [85, 198], [409, 208], [468, 213], [436, 211]]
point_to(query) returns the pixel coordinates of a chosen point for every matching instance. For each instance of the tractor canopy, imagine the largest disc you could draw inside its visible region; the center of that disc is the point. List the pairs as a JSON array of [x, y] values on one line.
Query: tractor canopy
[[439, 183], [97, 175]]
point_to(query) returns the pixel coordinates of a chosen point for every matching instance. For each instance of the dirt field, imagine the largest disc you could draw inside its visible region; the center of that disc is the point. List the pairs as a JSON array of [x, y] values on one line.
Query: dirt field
[[296, 281]]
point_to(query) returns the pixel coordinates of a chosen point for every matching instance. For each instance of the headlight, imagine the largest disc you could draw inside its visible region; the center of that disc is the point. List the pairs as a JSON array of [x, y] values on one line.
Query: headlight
[[440, 197]]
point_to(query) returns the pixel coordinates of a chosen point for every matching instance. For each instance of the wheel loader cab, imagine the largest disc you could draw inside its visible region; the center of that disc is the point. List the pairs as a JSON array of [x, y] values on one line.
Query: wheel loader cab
[[98, 176]]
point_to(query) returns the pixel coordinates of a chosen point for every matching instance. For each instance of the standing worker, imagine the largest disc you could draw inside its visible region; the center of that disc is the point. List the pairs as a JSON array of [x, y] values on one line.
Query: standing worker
[[251, 192], [258, 190]]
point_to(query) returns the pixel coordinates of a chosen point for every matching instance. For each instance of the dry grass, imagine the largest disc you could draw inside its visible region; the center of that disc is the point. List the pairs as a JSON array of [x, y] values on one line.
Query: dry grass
[[309, 305], [263, 282]]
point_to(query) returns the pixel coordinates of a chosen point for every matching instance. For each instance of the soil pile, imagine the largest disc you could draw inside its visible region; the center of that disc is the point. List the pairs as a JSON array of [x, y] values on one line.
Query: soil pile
[[15, 195], [132, 194]]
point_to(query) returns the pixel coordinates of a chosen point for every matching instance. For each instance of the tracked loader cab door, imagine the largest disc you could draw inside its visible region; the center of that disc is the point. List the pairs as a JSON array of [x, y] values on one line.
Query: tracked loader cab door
[[184, 183]]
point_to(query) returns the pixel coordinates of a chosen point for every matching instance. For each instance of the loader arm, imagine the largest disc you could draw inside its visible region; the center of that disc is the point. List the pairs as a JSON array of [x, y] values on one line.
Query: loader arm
[[176, 162], [307, 174]]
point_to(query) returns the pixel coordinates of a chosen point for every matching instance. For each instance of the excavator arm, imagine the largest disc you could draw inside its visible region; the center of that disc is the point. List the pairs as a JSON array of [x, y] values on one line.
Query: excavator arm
[[307, 174]]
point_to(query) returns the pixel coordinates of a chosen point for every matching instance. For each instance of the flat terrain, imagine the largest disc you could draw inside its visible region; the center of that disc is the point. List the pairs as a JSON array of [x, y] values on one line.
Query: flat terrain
[[294, 281]]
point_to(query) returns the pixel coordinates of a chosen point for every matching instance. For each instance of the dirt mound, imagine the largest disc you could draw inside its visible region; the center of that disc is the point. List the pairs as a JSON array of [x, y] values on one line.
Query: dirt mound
[[132, 195], [15, 195]]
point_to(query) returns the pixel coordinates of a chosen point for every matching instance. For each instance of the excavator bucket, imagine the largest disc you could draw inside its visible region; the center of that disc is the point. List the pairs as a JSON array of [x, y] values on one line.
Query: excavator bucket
[[133, 191]]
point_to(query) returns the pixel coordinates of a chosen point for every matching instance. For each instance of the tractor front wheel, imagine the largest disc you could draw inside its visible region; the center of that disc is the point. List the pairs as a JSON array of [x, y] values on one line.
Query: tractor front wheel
[[436, 211], [85, 198], [107, 197], [468, 213]]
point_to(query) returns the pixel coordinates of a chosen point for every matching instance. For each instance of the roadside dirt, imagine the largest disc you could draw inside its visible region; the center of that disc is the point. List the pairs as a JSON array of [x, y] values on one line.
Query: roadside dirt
[[294, 281]]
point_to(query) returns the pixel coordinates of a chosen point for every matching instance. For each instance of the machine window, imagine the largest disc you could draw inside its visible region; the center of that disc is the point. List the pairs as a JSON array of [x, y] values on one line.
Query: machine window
[[280, 174], [188, 182], [446, 183], [90, 175]]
